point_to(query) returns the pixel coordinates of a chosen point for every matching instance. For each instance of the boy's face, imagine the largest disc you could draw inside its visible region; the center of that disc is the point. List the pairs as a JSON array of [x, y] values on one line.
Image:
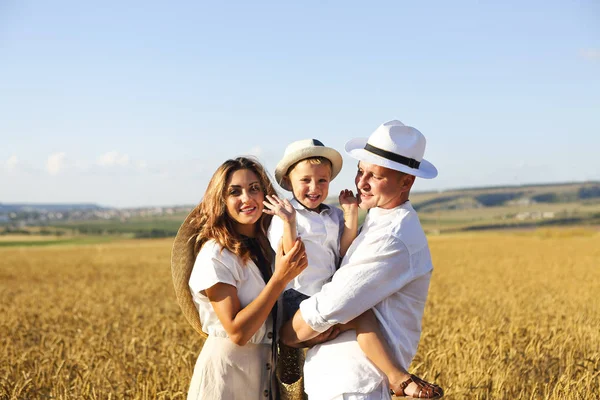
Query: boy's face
[[310, 183]]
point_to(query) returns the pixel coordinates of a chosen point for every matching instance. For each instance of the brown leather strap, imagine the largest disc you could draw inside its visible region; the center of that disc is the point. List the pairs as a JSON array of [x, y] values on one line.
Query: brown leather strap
[[425, 389]]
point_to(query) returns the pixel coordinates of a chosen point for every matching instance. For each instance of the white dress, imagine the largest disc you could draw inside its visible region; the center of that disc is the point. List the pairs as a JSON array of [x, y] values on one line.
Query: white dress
[[225, 370]]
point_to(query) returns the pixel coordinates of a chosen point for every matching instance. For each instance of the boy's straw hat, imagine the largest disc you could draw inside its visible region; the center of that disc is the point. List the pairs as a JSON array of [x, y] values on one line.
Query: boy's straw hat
[[303, 149], [182, 262]]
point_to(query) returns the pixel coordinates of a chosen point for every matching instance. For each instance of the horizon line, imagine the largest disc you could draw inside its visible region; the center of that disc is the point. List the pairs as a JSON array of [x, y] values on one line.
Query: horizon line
[[458, 189]]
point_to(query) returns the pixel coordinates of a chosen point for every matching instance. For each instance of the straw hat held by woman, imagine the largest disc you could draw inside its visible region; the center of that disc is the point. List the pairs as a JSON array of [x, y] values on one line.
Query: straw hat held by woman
[[223, 273]]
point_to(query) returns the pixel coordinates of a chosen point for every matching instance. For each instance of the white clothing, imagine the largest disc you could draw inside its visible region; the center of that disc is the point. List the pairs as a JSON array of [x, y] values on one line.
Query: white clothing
[[225, 370], [387, 268], [214, 265], [321, 233], [380, 392]]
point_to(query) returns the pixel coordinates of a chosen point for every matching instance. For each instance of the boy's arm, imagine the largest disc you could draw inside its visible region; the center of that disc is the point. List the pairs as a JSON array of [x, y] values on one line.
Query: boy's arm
[[284, 210], [289, 234], [350, 207], [372, 342]]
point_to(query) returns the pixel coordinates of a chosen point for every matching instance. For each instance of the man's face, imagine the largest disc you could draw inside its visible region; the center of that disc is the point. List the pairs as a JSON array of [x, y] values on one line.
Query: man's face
[[379, 186]]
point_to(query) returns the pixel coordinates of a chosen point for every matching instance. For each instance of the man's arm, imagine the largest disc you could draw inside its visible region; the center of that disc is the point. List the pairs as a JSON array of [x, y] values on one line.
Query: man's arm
[[296, 331], [376, 270]]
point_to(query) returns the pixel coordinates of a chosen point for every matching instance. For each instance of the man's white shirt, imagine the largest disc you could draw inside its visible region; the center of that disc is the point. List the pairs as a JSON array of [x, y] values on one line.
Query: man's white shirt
[[320, 232], [387, 268]]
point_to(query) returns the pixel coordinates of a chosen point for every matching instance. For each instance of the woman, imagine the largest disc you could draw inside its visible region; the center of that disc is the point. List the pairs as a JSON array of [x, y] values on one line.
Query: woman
[[234, 286]]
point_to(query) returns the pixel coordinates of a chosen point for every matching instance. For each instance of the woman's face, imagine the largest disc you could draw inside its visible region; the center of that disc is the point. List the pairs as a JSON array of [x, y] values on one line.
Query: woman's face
[[244, 199]]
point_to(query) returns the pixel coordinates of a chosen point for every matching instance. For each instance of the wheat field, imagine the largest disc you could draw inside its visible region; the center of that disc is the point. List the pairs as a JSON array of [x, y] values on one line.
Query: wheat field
[[510, 316]]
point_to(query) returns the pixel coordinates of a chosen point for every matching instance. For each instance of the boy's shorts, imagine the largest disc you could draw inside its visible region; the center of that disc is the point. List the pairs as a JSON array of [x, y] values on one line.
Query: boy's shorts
[[291, 303]]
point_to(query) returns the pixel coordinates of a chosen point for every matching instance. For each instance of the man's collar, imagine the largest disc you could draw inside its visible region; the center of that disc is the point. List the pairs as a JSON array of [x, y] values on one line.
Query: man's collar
[[385, 211]]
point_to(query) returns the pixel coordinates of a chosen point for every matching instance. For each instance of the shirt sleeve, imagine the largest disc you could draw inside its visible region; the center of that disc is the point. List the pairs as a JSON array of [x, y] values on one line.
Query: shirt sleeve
[[376, 270], [210, 268], [275, 232]]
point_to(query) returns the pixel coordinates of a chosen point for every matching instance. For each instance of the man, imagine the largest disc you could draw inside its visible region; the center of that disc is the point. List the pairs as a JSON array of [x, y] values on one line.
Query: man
[[387, 269]]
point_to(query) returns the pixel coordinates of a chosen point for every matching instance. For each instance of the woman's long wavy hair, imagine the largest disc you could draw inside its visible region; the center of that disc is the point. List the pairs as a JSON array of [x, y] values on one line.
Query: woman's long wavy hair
[[212, 220]]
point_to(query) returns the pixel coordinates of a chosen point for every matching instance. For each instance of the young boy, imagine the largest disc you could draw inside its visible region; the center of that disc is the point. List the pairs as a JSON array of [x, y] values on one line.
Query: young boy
[[306, 170]]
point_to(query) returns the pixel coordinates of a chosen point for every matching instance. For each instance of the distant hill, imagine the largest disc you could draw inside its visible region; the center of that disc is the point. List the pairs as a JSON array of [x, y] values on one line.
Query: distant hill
[[506, 207], [464, 199], [466, 209], [451, 199]]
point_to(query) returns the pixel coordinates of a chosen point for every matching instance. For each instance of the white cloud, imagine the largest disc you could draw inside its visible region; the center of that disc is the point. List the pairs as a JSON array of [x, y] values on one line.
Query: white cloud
[[113, 158], [590, 54], [141, 165], [12, 162], [55, 163]]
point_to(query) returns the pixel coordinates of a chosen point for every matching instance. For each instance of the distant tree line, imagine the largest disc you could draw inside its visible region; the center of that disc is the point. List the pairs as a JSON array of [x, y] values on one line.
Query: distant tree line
[[137, 233], [44, 232], [584, 193], [155, 233], [591, 192], [497, 199]]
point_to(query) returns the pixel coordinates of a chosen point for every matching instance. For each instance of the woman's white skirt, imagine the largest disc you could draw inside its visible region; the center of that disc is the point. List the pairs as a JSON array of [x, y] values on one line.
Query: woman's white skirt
[[225, 370]]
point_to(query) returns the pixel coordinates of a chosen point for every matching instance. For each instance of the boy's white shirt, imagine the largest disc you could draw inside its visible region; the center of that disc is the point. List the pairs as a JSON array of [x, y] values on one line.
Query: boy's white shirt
[[321, 233]]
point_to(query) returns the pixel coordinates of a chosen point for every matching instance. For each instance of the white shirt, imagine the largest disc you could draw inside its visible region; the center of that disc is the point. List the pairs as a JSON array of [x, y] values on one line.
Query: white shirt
[[321, 233], [387, 268], [214, 266]]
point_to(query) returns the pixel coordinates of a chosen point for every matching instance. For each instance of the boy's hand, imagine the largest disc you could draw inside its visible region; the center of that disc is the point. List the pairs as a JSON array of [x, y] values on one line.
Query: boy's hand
[[282, 208], [348, 202]]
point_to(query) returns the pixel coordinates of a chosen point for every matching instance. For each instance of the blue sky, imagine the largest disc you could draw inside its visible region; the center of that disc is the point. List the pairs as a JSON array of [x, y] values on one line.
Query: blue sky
[[136, 103]]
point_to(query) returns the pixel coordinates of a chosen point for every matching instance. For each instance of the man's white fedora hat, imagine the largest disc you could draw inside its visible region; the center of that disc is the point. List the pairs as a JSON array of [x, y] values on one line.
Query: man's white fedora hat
[[395, 146], [301, 150]]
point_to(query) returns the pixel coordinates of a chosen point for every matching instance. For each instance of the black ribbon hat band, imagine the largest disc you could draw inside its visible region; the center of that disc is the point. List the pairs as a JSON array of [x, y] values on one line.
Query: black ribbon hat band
[[409, 162]]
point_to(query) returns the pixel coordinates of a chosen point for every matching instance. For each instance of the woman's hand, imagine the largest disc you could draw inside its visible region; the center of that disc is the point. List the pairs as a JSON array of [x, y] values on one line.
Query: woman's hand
[[282, 208], [288, 266], [241, 323]]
